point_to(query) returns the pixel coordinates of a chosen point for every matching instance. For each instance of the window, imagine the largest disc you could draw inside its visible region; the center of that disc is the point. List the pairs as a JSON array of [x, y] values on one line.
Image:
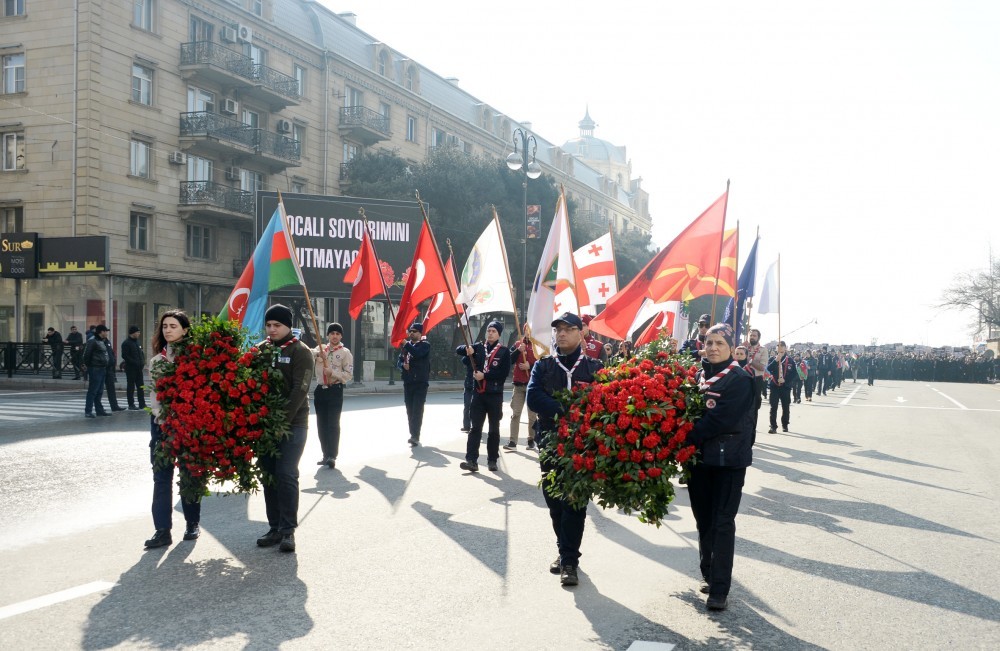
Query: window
[[299, 135], [13, 151], [200, 30], [257, 55], [300, 78], [12, 220], [246, 245], [142, 14], [199, 169], [251, 118], [13, 7], [257, 7], [351, 151], [142, 84], [299, 187], [353, 97], [438, 138], [13, 73], [251, 181], [409, 78], [138, 231], [383, 62], [411, 128], [199, 241], [384, 110], [139, 159]]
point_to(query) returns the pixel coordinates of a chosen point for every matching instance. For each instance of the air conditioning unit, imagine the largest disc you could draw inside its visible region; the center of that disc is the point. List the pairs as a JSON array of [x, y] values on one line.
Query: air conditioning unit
[[229, 106], [284, 126], [177, 158], [244, 33], [227, 34], [233, 173]]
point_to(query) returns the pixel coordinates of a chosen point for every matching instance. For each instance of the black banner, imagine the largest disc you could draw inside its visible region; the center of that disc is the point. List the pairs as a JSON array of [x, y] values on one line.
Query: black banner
[[87, 254], [327, 233], [19, 255]]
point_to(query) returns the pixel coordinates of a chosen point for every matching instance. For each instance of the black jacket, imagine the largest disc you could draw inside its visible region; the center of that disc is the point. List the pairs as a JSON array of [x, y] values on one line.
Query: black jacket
[[419, 357], [132, 354], [724, 433], [295, 361], [96, 354], [546, 379], [499, 368]]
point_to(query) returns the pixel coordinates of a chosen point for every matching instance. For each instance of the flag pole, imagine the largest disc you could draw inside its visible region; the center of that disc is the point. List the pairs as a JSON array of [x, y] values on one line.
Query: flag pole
[[736, 291], [437, 254], [722, 240], [506, 266], [779, 297], [385, 288], [295, 254]]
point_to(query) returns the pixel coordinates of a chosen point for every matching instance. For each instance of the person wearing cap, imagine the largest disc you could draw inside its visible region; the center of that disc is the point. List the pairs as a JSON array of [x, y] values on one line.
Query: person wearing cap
[[334, 369], [75, 342], [522, 358], [133, 362], [782, 372], [95, 363], [281, 496], [490, 363], [414, 364], [723, 435], [54, 339], [566, 368], [696, 345], [591, 346]]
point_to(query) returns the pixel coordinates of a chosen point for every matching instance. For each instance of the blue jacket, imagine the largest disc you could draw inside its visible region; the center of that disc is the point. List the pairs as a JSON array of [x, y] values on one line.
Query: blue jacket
[[496, 374], [725, 432], [418, 355], [546, 379]]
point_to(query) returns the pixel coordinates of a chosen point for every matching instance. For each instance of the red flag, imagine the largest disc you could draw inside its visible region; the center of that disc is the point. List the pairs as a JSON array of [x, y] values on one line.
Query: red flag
[[442, 306], [366, 275], [662, 322], [672, 273], [426, 279], [704, 283]]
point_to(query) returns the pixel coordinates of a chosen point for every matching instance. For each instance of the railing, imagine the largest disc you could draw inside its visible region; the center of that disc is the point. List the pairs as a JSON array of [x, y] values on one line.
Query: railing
[[359, 116], [206, 123], [31, 358], [209, 53], [216, 194], [345, 171]]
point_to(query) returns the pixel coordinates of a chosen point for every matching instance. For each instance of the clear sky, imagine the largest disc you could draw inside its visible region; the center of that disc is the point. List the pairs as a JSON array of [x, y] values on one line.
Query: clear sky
[[861, 138]]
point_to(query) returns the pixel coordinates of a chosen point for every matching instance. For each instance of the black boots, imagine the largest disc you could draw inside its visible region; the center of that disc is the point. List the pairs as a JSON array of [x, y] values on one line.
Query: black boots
[[192, 531], [160, 539]]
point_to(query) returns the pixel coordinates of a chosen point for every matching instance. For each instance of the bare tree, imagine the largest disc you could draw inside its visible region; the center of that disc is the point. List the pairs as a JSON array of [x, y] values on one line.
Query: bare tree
[[977, 292]]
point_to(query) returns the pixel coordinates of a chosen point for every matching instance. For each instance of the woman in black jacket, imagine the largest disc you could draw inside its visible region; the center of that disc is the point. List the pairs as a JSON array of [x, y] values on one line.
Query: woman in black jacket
[[724, 438]]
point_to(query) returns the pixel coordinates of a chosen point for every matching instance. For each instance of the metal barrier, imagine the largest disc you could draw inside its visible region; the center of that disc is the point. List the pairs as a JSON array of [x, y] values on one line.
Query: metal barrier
[[20, 358]]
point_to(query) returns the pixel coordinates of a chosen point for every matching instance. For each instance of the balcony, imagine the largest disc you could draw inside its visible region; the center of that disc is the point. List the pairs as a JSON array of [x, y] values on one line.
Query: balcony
[[345, 171], [217, 200], [231, 69], [364, 125], [215, 136]]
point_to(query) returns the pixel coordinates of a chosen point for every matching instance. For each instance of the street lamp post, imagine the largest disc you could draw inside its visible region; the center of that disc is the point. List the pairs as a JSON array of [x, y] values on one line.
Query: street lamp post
[[531, 171]]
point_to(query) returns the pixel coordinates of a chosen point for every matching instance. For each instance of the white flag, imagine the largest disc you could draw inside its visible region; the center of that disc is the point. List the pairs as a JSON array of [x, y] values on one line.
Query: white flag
[[485, 287], [595, 273], [554, 289], [770, 294]]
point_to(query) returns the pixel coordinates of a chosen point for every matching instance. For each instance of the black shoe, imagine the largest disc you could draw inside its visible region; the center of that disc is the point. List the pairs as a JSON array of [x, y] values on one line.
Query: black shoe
[[270, 539], [89, 416], [556, 566], [77, 377], [160, 539], [716, 603], [118, 409], [104, 413], [322, 462], [331, 463], [531, 445], [471, 467], [568, 575], [772, 430], [134, 408], [287, 543], [510, 445], [492, 465], [414, 442], [464, 429], [703, 588], [784, 429], [192, 531]]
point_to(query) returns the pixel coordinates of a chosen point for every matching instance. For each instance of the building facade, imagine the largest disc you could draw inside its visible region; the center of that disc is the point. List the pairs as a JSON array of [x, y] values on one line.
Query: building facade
[[153, 123]]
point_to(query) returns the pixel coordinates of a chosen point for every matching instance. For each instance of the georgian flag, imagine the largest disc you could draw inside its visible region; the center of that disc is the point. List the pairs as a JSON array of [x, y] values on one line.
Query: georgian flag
[[596, 277]]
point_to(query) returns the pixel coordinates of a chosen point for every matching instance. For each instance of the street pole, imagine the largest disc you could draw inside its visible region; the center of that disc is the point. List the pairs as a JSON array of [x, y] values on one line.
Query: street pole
[[532, 170]]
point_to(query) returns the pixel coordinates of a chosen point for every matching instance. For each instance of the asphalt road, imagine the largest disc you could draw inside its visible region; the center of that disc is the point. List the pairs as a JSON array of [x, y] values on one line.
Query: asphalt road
[[873, 524]]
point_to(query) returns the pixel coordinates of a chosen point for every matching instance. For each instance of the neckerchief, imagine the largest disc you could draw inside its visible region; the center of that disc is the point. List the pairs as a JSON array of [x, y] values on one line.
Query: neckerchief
[[569, 371], [481, 384], [753, 350], [704, 385], [330, 348], [281, 348], [781, 369]]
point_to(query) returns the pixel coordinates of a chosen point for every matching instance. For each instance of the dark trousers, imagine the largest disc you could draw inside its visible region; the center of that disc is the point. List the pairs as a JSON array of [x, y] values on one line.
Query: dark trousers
[[133, 385], [871, 378], [485, 405], [76, 357], [810, 381], [758, 396], [57, 363], [823, 383], [568, 524], [797, 389], [281, 493], [415, 395], [95, 389], [163, 486], [780, 394], [467, 411], [329, 404], [715, 498], [109, 388]]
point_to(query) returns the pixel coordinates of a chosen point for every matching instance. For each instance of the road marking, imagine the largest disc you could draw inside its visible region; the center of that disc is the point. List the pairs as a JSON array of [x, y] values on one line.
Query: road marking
[[900, 399], [54, 598], [932, 408], [947, 397], [643, 645], [849, 396], [18, 417]]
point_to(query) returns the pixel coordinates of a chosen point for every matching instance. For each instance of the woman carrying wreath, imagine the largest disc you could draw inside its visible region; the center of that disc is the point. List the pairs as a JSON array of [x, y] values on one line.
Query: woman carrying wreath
[[723, 436], [172, 328]]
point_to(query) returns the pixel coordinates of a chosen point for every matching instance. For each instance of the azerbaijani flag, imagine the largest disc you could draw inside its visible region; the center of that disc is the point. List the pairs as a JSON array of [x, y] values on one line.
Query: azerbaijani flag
[[272, 266]]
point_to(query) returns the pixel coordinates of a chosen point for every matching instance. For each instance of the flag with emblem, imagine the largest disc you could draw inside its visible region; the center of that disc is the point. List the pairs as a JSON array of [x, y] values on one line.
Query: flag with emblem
[[554, 289], [365, 275], [485, 283], [443, 305], [596, 276], [426, 278]]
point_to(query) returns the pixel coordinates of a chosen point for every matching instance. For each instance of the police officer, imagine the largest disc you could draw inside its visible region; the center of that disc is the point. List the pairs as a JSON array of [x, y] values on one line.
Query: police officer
[[569, 367], [490, 363], [133, 362]]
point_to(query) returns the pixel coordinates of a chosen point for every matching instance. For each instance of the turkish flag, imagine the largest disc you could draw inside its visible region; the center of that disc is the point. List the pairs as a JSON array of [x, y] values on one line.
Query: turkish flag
[[663, 322], [366, 276], [426, 278], [442, 305]]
